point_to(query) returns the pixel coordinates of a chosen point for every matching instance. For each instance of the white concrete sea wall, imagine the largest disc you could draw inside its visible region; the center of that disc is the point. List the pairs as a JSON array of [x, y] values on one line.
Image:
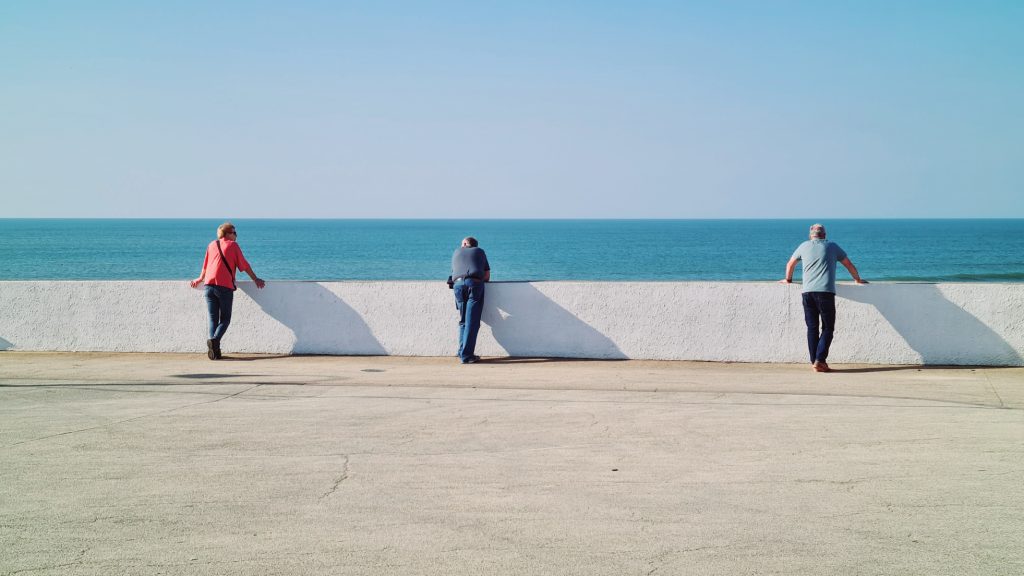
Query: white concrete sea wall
[[965, 324]]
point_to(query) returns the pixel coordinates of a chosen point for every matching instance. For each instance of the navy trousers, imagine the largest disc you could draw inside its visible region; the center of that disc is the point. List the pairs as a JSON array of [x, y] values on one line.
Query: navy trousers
[[469, 299], [819, 312]]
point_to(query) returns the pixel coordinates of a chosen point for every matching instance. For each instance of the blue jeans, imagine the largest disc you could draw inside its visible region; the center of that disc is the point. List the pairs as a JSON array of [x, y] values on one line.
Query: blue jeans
[[469, 299], [819, 305], [218, 304]]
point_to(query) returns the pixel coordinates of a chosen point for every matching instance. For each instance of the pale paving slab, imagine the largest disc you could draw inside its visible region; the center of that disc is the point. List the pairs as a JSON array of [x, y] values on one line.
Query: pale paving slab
[[171, 464]]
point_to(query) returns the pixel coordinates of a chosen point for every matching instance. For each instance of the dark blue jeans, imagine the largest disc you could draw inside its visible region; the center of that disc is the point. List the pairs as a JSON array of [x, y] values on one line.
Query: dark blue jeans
[[469, 299], [218, 304], [819, 306]]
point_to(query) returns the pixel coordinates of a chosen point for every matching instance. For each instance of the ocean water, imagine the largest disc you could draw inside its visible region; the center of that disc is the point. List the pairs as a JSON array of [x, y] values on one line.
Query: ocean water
[[743, 250]]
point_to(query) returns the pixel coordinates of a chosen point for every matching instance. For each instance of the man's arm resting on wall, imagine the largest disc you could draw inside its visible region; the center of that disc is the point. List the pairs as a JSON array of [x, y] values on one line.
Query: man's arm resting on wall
[[790, 268], [853, 271]]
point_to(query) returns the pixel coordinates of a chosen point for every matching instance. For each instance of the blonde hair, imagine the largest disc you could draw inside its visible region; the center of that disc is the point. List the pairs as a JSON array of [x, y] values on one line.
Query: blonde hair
[[225, 228]]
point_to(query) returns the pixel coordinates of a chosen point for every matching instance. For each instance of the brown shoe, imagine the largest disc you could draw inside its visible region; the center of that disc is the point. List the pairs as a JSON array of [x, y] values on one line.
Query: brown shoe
[[821, 367]]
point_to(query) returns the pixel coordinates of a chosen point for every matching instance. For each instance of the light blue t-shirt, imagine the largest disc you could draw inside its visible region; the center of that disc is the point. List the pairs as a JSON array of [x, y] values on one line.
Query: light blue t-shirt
[[819, 258]]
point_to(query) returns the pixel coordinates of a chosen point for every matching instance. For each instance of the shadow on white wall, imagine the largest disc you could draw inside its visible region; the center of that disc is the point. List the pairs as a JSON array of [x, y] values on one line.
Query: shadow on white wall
[[321, 321], [525, 322], [939, 330], [5, 345]]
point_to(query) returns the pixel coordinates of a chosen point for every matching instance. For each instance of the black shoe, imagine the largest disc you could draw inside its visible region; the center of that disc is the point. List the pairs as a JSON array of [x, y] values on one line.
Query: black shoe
[[216, 350], [471, 360], [211, 352]]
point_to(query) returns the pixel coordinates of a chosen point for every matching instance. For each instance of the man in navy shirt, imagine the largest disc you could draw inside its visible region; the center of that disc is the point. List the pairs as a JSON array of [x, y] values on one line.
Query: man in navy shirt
[[819, 258], [470, 270]]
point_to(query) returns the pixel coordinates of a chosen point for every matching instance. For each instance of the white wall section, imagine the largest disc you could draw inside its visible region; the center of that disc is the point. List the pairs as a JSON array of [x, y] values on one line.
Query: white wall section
[[966, 324]]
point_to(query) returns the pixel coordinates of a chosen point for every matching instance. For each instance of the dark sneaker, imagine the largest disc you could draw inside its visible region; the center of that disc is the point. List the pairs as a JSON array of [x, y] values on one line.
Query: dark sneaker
[[216, 350], [211, 351], [471, 360]]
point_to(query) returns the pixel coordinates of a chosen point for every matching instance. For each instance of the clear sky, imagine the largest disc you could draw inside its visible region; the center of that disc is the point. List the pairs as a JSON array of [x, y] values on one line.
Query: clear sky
[[512, 109]]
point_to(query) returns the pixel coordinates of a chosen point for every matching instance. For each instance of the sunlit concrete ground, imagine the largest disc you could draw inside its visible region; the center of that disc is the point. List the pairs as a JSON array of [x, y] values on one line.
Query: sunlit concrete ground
[[173, 464]]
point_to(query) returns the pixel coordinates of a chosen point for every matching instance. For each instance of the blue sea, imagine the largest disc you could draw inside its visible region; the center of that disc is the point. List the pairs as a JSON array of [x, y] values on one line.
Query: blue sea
[[745, 250]]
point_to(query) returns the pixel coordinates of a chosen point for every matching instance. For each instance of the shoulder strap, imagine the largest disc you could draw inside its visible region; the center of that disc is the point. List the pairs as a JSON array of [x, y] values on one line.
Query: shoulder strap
[[224, 261]]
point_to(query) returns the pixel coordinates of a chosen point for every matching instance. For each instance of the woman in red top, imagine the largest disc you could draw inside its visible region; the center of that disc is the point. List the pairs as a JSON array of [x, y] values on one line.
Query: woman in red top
[[223, 257]]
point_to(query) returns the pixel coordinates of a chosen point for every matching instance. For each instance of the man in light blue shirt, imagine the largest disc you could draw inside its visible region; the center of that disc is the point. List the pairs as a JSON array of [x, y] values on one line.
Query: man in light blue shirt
[[819, 258]]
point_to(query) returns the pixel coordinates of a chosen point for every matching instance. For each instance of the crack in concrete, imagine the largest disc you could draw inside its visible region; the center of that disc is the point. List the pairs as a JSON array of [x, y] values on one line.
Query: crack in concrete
[[339, 479], [934, 404], [100, 518], [993, 388], [874, 443], [946, 404], [702, 548], [953, 505], [490, 451], [660, 558], [111, 424], [76, 562]]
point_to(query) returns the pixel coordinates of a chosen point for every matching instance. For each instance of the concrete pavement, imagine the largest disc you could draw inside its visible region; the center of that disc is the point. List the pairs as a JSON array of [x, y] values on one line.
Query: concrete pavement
[[172, 464]]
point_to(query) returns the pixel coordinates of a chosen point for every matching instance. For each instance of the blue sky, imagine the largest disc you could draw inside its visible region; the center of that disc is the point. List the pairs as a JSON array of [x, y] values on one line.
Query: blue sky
[[512, 109]]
